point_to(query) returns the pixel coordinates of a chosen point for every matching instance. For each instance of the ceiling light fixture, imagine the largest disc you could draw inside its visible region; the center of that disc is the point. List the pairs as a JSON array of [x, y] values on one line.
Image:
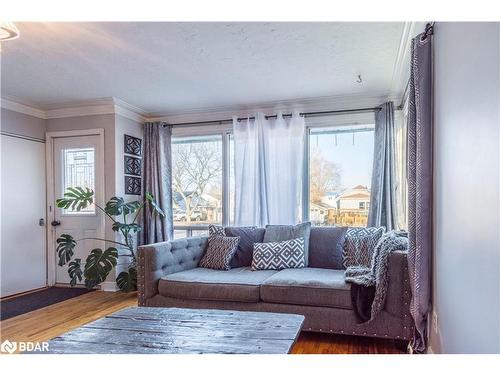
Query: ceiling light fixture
[[8, 31]]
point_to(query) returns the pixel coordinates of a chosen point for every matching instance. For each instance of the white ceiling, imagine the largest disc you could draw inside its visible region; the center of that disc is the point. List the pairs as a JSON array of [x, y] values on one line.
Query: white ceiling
[[172, 67]]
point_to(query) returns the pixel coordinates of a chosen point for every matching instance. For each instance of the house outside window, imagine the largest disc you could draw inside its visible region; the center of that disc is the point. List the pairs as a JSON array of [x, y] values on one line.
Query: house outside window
[[340, 165]]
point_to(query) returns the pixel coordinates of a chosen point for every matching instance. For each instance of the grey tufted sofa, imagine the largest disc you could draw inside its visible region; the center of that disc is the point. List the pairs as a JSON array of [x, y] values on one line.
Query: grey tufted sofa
[[169, 276]]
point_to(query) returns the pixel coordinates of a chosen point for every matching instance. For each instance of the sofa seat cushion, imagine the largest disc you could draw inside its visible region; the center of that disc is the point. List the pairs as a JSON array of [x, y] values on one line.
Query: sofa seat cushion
[[308, 287], [238, 284]]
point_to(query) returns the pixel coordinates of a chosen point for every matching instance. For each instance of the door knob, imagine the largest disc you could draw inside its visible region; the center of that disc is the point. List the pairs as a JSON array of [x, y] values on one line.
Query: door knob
[[55, 223]]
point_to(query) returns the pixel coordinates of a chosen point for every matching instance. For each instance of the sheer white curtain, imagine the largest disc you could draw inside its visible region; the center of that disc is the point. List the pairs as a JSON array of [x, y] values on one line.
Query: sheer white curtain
[[268, 169]]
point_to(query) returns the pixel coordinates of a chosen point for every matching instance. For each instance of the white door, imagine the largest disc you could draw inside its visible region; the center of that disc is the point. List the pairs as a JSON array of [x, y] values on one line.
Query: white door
[[23, 256], [77, 162]]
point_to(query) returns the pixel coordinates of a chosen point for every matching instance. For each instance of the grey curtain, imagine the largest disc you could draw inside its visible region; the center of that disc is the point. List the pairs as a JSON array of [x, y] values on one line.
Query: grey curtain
[[157, 180], [419, 171], [383, 206]]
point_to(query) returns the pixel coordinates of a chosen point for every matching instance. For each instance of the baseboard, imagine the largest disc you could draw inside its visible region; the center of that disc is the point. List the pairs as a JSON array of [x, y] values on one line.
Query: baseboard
[[109, 286]]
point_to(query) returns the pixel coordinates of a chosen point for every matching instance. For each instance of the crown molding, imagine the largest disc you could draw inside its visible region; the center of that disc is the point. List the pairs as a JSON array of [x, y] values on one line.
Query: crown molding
[[115, 106], [29, 110], [83, 110], [102, 106], [325, 103], [130, 111], [401, 71]]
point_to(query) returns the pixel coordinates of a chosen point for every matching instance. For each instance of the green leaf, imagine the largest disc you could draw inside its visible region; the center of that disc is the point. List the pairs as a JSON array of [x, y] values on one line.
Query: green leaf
[[76, 198], [127, 281], [117, 206], [126, 227], [65, 248], [75, 271], [154, 205], [99, 265]]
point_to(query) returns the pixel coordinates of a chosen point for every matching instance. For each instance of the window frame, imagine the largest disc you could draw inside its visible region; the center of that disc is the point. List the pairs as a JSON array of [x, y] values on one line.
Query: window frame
[[226, 131], [192, 131], [336, 122]]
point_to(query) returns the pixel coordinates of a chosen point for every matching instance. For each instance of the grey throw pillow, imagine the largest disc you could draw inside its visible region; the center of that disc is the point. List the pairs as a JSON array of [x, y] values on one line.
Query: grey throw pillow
[[325, 247], [219, 252], [279, 255], [359, 245], [277, 233], [248, 236]]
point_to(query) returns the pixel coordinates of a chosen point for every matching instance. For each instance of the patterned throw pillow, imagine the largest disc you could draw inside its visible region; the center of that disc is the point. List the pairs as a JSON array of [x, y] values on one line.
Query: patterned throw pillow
[[219, 252], [215, 230], [279, 255], [359, 245]]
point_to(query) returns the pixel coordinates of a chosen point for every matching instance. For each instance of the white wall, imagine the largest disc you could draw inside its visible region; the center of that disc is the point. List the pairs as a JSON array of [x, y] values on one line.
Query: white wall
[[22, 124], [123, 126], [23, 244], [466, 280]]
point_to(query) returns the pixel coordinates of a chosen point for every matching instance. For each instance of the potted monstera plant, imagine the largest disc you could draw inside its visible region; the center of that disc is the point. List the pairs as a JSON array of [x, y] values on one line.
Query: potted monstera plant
[[100, 262]]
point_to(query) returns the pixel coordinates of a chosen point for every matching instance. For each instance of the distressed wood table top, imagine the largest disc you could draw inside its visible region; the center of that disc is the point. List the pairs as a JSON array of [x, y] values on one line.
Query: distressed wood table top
[[145, 330]]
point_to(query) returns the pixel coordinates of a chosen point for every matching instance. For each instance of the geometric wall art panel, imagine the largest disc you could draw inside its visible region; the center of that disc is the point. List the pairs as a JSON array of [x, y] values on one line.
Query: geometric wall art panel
[[132, 165], [132, 185], [132, 145]]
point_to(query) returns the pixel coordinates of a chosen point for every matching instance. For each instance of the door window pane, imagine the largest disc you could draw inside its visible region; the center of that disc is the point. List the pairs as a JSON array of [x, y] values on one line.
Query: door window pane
[[79, 171], [197, 180], [340, 169]]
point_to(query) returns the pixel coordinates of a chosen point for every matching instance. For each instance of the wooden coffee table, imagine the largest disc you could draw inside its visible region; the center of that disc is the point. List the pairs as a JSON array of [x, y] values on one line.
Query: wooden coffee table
[[171, 330]]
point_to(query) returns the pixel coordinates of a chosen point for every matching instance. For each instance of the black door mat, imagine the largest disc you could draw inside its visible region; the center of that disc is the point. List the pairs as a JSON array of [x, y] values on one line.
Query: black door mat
[[33, 301]]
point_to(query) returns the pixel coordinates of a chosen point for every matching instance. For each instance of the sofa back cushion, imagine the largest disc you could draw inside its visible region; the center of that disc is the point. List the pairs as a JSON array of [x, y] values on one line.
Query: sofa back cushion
[[278, 233], [248, 236], [325, 247]]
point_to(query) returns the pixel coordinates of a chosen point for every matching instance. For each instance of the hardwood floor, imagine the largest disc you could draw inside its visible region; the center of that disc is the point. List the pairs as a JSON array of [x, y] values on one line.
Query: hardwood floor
[[49, 322]]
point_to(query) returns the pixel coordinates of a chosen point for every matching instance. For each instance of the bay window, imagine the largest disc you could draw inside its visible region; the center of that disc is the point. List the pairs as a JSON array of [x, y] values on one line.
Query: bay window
[[336, 185]]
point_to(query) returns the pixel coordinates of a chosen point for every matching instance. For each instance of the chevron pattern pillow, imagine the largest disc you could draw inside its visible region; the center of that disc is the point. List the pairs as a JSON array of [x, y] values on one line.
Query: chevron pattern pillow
[[359, 245], [279, 255], [220, 252]]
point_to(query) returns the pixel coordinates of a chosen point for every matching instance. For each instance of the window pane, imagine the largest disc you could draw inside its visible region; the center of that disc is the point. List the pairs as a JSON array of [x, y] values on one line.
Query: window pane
[[197, 180], [340, 169], [79, 171], [200, 232], [179, 234]]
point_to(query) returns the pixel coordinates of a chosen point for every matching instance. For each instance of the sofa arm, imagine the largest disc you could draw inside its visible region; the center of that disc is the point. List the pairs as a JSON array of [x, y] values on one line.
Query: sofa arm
[[398, 293], [163, 258]]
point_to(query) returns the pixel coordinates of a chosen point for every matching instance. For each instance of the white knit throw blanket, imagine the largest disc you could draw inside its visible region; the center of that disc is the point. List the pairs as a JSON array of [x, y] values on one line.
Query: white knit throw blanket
[[377, 274]]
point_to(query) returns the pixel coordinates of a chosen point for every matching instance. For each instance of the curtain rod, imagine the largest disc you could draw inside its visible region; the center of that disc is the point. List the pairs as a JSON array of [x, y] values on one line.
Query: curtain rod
[[304, 114]]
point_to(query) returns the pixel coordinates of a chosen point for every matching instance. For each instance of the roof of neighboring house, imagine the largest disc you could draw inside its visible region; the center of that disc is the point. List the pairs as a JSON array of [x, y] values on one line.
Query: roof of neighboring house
[[357, 192], [355, 196], [321, 206]]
